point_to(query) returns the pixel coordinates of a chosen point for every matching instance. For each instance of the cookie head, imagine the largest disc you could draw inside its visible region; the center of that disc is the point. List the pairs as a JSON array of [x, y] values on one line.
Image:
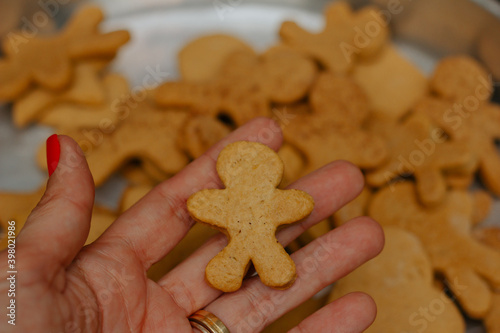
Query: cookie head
[[247, 163]]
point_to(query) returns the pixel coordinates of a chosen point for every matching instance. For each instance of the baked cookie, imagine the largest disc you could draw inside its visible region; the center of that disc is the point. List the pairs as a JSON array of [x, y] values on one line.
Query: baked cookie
[[400, 281], [347, 35], [248, 211], [469, 267]]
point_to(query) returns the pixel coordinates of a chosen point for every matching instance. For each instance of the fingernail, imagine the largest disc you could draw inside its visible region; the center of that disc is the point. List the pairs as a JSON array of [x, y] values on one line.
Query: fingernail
[[53, 153]]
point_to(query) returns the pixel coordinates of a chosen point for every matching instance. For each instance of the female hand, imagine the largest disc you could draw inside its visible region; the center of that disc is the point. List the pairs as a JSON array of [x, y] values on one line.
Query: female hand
[[64, 287]]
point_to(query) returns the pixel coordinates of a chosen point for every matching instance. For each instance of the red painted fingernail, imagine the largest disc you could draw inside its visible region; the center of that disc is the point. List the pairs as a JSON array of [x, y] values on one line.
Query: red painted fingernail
[[53, 153]]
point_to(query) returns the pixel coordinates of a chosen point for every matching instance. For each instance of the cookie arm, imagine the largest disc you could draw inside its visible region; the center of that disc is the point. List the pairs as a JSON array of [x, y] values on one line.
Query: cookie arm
[[209, 206], [291, 206], [98, 44]]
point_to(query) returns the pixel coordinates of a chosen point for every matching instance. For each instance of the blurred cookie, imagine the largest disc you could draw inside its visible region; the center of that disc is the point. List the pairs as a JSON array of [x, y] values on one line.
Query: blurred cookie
[[402, 268], [201, 59]]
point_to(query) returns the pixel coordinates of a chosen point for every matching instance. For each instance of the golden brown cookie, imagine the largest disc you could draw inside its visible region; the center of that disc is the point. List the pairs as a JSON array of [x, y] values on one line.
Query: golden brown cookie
[[249, 210], [475, 128], [145, 132], [47, 61], [201, 59], [470, 268], [400, 281], [245, 86], [68, 115], [86, 87], [339, 96], [321, 139], [200, 133], [418, 148], [347, 35], [458, 180], [459, 77], [391, 82]]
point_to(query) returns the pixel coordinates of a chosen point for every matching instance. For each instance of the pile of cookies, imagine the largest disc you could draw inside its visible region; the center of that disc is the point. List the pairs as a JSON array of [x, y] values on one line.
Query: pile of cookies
[[343, 93]]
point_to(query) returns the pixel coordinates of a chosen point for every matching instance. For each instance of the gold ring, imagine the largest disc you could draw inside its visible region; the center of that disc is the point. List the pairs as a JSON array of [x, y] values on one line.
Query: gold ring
[[207, 322]]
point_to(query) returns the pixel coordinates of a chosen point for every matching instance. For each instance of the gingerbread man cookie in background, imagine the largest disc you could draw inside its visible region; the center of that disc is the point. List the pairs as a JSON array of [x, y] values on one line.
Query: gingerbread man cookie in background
[[249, 211], [34, 60], [136, 136], [245, 86], [347, 36], [402, 268], [85, 88], [418, 148], [461, 107], [470, 268]]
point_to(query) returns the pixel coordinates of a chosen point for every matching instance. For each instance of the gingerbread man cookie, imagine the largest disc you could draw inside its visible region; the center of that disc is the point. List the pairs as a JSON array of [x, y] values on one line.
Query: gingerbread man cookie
[[47, 60], [417, 147], [245, 86], [248, 211], [322, 140], [346, 36], [85, 88], [402, 268], [470, 268], [340, 96], [474, 128], [202, 58], [68, 115], [145, 132]]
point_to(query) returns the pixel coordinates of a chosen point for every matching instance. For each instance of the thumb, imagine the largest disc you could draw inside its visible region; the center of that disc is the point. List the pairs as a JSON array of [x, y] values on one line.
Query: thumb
[[57, 228]]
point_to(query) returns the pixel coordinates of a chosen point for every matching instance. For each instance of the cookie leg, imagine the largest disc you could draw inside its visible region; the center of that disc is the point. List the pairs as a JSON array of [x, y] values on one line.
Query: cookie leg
[[471, 291], [431, 186], [275, 267], [227, 269]]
